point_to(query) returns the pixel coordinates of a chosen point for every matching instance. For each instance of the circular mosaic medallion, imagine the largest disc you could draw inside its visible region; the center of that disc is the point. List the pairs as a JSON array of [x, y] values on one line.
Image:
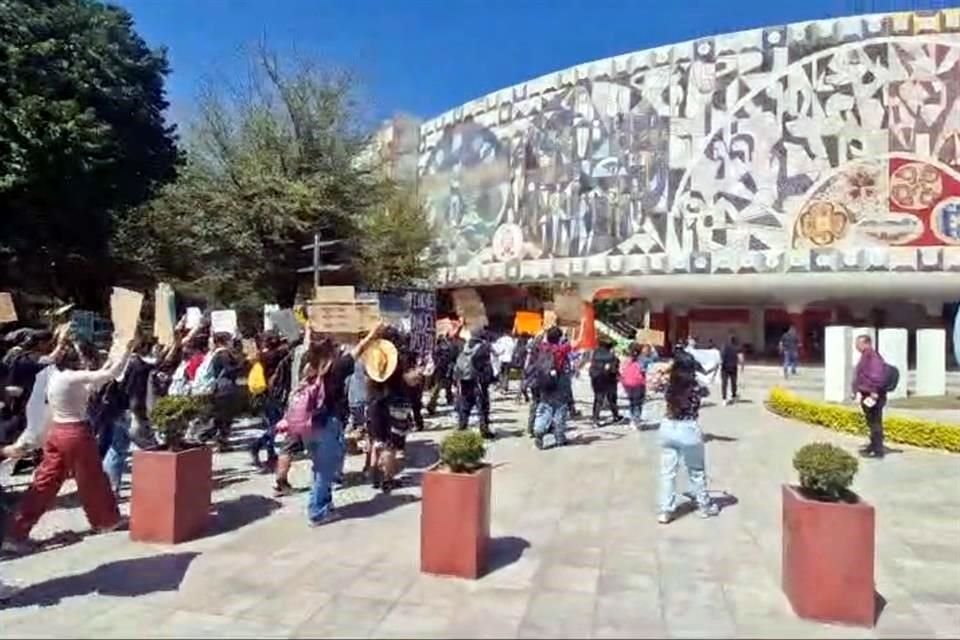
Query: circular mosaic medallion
[[823, 222], [945, 221], [915, 186], [507, 243]]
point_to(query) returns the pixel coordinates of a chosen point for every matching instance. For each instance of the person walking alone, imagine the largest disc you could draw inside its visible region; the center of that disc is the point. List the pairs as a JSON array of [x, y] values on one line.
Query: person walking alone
[[790, 351], [604, 370], [731, 361], [870, 384]]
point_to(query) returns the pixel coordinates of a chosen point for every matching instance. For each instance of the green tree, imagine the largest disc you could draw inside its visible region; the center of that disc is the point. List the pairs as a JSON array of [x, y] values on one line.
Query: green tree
[[395, 239], [271, 161], [82, 140]]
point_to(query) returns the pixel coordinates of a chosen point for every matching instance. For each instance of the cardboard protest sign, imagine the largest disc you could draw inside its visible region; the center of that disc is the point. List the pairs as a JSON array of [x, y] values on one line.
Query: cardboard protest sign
[[569, 309], [334, 294], [8, 312], [469, 306], [653, 337], [284, 322], [164, 314], [224, 321], [125, 306], [368, 314], [423, 322], [194, 317], [333, 317]]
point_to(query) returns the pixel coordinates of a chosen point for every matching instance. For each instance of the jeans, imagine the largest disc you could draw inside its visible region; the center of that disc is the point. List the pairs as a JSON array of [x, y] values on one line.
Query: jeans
[[326, 448], [551, 416], [636, 397], [272, 413], [790, 359], [874, 417], [730, 377], [116, 459], [681, 440]]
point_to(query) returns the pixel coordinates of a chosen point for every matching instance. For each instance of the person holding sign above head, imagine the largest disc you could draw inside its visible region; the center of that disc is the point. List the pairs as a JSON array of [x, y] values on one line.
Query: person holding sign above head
[[70, 448]]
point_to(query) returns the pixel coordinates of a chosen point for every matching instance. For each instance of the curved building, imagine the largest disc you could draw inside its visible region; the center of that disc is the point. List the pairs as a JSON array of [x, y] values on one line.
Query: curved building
[[805, 173]]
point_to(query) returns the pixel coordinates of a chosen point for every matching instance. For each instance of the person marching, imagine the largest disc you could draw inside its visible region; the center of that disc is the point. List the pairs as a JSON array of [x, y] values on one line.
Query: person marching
[[604, 369]]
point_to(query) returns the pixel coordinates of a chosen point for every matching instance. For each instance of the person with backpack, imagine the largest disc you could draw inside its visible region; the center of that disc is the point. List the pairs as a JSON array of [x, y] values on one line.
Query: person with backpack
[[731, 360], [473, 373], [604, 370], [445, 355], [872, 380], [633, 377], [548, 368], [272, 355], [217, 377]]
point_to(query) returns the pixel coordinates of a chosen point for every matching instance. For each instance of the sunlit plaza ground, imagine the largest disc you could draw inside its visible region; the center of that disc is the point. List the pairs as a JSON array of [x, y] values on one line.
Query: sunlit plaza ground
[[577, 550]]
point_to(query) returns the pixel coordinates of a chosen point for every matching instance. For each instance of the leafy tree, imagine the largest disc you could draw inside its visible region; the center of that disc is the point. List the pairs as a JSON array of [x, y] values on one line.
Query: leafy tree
[[82, 139], [395, 237], [271, 162]]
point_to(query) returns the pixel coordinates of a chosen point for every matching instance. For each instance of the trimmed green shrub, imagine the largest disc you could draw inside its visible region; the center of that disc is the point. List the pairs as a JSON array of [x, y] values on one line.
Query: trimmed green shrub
[[826, 471], [912, 431], [463, 451], [172, 416]]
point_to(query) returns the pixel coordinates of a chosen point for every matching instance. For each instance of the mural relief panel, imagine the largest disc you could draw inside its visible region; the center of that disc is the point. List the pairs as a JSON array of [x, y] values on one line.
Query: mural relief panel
[[825, 134]]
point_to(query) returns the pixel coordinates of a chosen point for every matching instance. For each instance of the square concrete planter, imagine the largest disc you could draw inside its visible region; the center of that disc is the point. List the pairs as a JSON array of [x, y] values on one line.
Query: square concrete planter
[[170, 498], [455, 523], [828, 559]]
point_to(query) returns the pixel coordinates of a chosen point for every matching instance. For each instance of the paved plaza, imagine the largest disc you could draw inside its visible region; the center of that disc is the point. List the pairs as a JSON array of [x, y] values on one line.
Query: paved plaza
[[577, 549]]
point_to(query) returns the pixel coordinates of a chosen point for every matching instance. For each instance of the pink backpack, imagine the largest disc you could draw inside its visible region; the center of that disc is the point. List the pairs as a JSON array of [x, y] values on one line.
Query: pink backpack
[[305, 401], [631, 375]]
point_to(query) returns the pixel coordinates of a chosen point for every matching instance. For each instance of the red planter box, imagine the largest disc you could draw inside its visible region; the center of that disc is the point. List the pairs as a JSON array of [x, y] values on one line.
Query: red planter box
[[170, 498], [455, 523], [828, 556]]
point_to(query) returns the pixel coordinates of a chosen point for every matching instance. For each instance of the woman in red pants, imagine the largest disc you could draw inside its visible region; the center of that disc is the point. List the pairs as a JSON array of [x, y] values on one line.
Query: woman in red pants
[[70, 448]]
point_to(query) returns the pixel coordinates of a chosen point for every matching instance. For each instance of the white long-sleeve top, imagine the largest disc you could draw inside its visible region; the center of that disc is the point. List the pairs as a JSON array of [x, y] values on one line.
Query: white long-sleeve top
[[69, 391]]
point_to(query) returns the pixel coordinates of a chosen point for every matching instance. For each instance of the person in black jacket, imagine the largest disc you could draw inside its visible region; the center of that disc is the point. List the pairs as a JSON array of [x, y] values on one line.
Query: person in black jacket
[[604, 368], [444, 356], [731, 359]]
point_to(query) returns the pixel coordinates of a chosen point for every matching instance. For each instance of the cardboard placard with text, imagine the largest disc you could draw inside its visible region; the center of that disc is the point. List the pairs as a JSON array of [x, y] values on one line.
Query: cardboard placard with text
[[333, 317], [469, 306], [8, 312], [194, 317], [223, 321], [653, 337], [335, 294], [285, 323], [164, 314], [569, 309]]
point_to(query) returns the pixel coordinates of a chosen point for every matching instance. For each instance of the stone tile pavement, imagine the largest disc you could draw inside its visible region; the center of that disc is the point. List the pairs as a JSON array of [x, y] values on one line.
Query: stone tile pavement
[[577, 551]]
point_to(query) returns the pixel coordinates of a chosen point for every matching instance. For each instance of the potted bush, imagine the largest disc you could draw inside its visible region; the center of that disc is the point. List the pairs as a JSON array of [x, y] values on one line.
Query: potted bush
[[171, 485], [828, 540], [455, 516]]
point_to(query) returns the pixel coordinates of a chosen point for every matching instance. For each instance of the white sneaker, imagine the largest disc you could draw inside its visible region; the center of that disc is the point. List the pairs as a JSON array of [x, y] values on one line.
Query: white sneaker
[[664, 518]]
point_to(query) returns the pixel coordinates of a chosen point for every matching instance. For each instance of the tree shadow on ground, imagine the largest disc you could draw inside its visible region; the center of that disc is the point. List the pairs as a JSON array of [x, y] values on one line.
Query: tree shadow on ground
[[504, 551], [126, 578], [238, 512]]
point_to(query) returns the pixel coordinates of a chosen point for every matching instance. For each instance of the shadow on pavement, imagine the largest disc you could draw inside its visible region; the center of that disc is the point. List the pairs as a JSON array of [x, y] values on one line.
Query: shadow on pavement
[[126, 578], [380, 503], [710, 437], [505, 551], [239, 512]]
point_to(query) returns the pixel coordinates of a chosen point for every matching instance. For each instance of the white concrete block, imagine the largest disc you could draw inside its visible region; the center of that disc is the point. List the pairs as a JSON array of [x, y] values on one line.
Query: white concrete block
[[892, 346], [838, 363], [855, 333], [931, 362]]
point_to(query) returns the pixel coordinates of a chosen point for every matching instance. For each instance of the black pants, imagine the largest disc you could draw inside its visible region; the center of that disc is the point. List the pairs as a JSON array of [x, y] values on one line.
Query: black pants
[[728, 377], [474, 394], [535, 400], [416, 403], [874, 416], [605, 396], [444, 384]]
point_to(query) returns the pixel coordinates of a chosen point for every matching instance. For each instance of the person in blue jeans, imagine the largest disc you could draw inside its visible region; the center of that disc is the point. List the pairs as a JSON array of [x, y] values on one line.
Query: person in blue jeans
[[551, 380], [681, 439], [326, 443], [790, 350]]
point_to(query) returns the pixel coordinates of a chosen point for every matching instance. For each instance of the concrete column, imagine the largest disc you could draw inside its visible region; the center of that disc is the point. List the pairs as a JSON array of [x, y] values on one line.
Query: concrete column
[[855, 333], [931, 362], [892, 345], [758, 329], [838, 363]]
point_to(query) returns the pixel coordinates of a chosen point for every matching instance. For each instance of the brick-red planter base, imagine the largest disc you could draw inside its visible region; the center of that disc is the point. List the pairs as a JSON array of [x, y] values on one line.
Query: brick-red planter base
[[455, 523], [828, 556], [170, 498]]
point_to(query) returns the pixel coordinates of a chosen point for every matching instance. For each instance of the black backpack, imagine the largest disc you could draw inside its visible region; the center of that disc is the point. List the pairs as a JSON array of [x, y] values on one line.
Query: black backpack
[[891, 377], [541, 374], [464, 369]]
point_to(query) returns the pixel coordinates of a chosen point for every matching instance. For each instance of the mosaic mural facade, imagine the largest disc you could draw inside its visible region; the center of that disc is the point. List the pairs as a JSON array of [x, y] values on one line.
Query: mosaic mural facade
[[825, 145]]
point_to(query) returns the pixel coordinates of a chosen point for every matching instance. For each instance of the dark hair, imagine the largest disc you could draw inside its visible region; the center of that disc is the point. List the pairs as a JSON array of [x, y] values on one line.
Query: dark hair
[[605, 343], [682, 384], [635, 351], [733, 340], [222, 339], [554, 334]]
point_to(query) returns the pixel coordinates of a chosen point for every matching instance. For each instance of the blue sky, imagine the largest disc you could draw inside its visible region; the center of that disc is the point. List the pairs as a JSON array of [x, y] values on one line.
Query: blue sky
[[426, 56]]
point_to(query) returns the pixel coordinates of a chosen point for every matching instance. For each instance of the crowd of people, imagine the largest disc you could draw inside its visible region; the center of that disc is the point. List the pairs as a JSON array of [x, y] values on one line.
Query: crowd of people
[[75, 412]]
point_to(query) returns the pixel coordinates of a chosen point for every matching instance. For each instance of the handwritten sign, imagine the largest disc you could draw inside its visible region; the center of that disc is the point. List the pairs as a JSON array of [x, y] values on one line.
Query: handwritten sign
[[334, 294], [125, 306], [528, 322], [194, 317], [423, 322], [8, 312], [164, 314], [569, 309], [653, 337], [283, 321], [333, 317], [470, 307], [224, 321], [268, 311]]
